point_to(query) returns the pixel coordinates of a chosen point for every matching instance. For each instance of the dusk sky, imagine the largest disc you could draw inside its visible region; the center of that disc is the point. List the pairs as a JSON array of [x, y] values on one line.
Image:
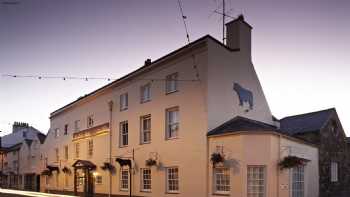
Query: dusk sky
[[300, 49]]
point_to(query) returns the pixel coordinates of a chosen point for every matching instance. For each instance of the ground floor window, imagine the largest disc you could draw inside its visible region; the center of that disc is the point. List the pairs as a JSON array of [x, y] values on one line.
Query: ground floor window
[[146, 179], [98, 180], [256, 181], [172, 176], [124, 179], [221, 180], [298, 181]]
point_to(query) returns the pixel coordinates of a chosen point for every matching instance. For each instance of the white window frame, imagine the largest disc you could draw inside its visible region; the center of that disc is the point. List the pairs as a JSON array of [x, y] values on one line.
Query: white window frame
[[221, 180], [298, 181], [145, 92], [90, 148], [146, 179], [334, 171], [90, 121], [146, 131], [77, 149], [124, 180], [171, 83], [172, 127], [124, 103], [171, 181], [251, 180], [123, 132]]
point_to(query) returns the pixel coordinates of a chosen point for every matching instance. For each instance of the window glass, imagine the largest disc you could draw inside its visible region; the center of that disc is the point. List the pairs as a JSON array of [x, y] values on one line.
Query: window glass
[[171, 83], [146, 93], [146, 129], [146, 179], [124, 130], [172, 125], [124, 102], [298, 181], [221, 180], [256, 181], [172, 180]]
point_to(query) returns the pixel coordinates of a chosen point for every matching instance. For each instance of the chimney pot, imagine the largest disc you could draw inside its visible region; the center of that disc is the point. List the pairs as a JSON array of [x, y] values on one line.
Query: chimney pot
[[148, 62]]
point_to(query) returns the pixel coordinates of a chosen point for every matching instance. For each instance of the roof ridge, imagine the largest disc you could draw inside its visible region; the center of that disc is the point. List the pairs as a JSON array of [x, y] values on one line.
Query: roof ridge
[[309, 113]]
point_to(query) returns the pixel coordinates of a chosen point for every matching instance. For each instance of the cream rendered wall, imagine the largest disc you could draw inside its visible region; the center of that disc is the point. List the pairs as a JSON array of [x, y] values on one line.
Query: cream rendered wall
[[242, 150], [224, 68]]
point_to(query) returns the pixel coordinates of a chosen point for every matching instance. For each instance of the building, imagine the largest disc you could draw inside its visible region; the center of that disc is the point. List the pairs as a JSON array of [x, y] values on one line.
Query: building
[[192, 123], [21, 158]]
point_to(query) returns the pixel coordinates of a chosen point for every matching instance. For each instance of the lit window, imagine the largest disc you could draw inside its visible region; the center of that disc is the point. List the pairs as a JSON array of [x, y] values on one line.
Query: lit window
[[171, 83], [66, 129], [146, 93], [90, 148], [57, 132], [298, 181], [145, 129], [256, 181], [98, 180], [172, 122], [124, 179], [76, 125], [334, 172], [90, 121], [124, 102], [77, 150], [146, 179], [221, 180], [172, 176], [123, 134], [66, 152]]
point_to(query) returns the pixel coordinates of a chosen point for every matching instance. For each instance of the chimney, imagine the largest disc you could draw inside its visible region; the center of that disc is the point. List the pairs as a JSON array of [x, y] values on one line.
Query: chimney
[[17, 126], [238, 35], [148, 62]]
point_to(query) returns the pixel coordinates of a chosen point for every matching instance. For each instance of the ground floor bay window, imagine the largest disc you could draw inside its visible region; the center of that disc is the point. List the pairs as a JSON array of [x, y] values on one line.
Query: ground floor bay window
[[256, 181], [298, 181], [221, 180]]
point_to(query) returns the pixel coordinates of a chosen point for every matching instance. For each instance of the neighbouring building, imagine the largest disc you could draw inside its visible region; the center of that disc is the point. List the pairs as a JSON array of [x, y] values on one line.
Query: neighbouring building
[[192, 123], [21, 157]]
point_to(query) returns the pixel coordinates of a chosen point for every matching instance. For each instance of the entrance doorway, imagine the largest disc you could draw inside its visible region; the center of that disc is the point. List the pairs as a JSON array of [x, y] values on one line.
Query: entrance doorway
[[83, 173]]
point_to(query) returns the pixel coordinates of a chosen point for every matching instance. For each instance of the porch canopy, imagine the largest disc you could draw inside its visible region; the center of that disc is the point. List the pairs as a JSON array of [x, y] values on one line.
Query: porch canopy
[[84, 164]]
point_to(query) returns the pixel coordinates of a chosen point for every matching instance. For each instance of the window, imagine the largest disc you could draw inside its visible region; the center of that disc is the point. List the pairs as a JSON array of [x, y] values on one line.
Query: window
[[57, 154], [256, 181], [66, 152], [171, 83], [145, 129], [146, 179], [66, 180], [146, 93], [172, 176], [124, 102], [123, 134], [124, 179], [98, 180], [172, 122], [24, 134], [334, 172], [298, 181], [77, 150], [57, 132], [90, 148], [76, 125], [66, 129], [221, 180], [90, 121]]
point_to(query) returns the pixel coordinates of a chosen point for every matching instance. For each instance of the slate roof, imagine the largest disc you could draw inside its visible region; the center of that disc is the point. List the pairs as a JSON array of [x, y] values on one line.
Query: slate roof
[[302, 123], [241, 124]]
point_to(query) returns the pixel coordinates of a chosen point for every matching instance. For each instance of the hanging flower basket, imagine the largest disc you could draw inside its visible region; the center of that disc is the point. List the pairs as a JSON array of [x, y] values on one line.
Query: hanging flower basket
[[46, 173], [151, 162], [66, 170], [216, 158], [291, 162], [107, 166]]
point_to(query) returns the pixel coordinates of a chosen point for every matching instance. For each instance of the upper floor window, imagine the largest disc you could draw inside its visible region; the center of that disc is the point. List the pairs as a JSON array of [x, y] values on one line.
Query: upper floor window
[[146, 179], [124, 179], [57, 155], [298, 181], [146, 129], [145, 93], [124, 101], [171, 83], [172, 180], [77, 150], [57, 132], [24, 134], [256, 181], [77, 125], [66, 152], [66, 129], [334, 171], [172, 122], [221, 180], [90, 148], [90, 121], [123, 136]]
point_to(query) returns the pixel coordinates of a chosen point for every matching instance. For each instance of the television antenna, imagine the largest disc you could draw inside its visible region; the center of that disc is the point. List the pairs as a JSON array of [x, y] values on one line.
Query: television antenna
[[224, 14]]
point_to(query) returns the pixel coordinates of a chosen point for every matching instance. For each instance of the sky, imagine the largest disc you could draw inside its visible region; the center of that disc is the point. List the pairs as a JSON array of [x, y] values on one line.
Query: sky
[[300, 49]]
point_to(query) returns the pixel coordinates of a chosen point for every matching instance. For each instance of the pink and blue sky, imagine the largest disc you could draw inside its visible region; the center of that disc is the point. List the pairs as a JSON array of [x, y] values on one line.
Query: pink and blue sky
[[300, 49]]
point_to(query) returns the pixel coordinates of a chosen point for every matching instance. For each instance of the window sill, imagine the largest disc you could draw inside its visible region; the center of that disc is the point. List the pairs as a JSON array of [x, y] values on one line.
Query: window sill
[[124, 190], [144, 143], [145, 101], [146, 191], [171, 92], [123, 146], [174, 192], [124, 109], [220, 194], [172, 138]]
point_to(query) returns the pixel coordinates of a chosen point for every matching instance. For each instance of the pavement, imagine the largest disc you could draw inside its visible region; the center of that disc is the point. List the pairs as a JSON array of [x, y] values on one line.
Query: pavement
[[20, 193]]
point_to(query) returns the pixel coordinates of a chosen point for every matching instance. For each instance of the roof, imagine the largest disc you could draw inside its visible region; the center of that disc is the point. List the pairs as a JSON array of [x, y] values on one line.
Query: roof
[[14, 147], [302, 123], [41, 137], [140, 70], [241, 124]]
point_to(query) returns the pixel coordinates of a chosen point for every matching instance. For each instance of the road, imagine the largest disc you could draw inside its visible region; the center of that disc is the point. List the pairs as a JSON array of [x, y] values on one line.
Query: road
[[18, 193]]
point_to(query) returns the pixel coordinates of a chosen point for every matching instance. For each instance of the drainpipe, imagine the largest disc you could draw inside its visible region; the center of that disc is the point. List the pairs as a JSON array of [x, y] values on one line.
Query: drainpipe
[[207, 165], [110, 105]]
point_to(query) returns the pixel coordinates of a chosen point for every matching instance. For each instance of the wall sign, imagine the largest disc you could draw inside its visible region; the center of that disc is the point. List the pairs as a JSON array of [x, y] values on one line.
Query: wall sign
[[244, 95]]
